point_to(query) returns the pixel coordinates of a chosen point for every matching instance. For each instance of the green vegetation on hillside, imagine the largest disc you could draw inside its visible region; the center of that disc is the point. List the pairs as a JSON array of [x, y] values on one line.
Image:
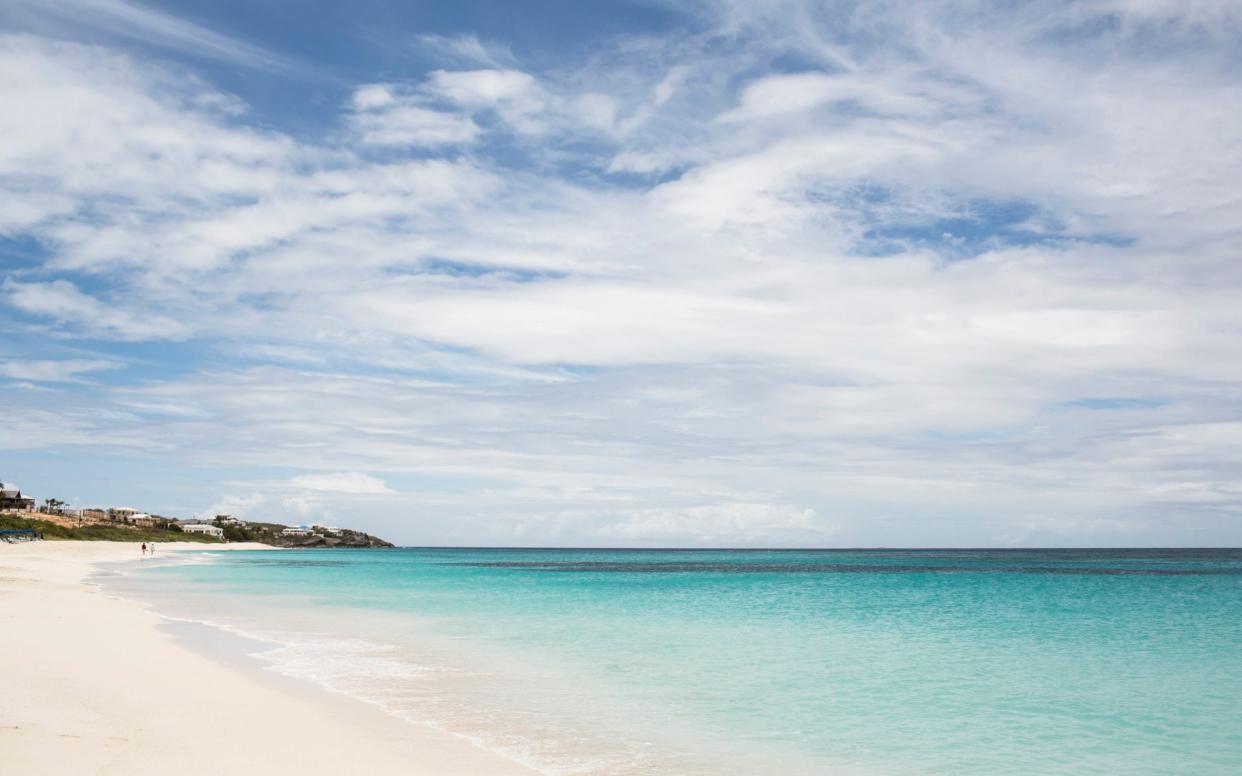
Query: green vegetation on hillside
[[101, 533], [241, 533]]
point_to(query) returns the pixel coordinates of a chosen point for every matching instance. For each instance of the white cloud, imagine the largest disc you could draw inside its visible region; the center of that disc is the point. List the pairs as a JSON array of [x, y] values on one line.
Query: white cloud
[[146, 144], [482, 87], [62, 371], [373, 96], [346, 483], [439, 112], [61, 301], [780, 95], [515, 98], [381, 117], [729, 524], [468, 49], [598, 111], [236, 504], [146, 25], [776, 95]]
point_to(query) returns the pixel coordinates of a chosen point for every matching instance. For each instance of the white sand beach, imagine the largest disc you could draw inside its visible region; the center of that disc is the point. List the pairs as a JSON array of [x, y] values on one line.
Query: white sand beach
[[92, 685]]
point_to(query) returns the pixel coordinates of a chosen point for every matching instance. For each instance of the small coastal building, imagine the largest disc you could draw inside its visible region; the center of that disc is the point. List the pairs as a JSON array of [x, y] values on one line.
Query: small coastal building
[[296, 531], [203, 528], [91, 513], [143, 519], [123, 513], [228, 520], [331, 530], [11, 498]]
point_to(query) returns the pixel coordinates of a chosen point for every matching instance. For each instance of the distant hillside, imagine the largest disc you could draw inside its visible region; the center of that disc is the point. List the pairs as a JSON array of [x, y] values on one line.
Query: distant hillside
[[273, 534], [59, 527], [99, 532]]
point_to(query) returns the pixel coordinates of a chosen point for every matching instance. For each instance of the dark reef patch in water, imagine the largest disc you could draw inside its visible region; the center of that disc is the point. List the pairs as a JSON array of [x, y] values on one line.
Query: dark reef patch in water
[[287, 563], [689, 567]]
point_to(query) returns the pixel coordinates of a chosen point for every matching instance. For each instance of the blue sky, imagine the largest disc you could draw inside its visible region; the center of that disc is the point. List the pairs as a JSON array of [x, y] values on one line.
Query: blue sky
[[705, 273]]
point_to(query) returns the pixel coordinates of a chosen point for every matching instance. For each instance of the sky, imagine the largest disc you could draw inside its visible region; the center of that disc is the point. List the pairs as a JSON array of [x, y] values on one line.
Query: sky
[[700, 273]]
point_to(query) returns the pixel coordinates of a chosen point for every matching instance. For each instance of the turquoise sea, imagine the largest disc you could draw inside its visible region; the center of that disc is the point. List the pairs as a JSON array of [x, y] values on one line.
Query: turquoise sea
[[758, 662]]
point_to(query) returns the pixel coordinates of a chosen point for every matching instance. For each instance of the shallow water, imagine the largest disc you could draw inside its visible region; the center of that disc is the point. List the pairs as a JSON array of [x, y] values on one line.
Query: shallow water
[[663, 662]]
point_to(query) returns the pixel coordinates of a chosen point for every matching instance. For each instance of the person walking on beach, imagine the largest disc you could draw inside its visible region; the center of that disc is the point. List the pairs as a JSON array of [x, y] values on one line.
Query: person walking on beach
[[152, 548], [144, 548]]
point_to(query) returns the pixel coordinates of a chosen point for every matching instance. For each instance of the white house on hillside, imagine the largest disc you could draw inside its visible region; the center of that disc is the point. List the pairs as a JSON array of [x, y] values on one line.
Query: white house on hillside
[[203, 528], [11, 498]]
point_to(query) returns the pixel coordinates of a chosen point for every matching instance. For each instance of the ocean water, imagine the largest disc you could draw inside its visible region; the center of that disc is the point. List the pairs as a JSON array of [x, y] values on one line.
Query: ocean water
[[759, 662]]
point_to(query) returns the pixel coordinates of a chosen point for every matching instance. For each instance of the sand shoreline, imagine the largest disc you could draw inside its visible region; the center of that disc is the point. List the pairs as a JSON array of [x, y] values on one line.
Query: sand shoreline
[[97, 684]]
